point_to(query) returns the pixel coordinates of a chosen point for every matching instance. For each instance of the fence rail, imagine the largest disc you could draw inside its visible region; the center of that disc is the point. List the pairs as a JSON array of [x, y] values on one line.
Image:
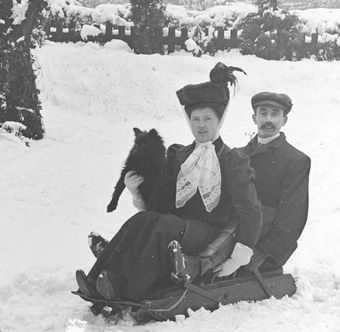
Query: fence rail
[[172, 38]]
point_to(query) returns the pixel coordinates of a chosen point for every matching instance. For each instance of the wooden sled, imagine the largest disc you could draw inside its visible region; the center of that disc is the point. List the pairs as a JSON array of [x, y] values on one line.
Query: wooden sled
[[176, 301]]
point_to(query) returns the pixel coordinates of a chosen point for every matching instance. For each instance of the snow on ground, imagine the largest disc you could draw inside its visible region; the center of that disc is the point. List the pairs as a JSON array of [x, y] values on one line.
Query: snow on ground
[[55, 192]]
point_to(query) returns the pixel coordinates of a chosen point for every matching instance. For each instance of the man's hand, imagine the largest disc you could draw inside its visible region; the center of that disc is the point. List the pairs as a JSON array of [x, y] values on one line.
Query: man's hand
[[227, 268], [132, 181], [240, 256]]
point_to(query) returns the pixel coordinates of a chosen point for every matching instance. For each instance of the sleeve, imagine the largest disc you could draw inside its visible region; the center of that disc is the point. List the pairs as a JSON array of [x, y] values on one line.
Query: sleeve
[[167, 191], [281, 240], [240, 181], [138, 201], [171, 156]]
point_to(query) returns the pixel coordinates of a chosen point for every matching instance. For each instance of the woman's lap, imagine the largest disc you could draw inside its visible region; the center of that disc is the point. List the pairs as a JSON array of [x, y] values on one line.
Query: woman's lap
[[138, 252]]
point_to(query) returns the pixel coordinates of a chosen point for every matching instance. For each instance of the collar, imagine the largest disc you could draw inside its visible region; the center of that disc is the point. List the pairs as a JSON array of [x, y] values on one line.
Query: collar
[[252, 147], [266, 140], [218, 144]]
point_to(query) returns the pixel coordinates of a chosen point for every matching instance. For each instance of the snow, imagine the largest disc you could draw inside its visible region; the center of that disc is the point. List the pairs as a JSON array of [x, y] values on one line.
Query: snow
[[55, 192], [216, 16], [324, 21], [19, 11], [118, 45], [190, 45], [320, 20], [116, 14], [111, 13], [89, 31]]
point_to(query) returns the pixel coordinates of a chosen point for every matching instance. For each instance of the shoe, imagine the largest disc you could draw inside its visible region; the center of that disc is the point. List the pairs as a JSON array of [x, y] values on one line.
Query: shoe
[[85, 286], [107, 286], [184, 267], [97, 243]]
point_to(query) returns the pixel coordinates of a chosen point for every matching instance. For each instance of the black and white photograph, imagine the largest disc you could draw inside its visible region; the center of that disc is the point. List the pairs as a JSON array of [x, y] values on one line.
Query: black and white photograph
[[169, 165]]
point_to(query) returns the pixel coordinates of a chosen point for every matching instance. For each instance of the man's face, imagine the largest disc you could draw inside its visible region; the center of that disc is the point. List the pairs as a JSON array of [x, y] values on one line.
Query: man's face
[[269, 120], [204, 124]]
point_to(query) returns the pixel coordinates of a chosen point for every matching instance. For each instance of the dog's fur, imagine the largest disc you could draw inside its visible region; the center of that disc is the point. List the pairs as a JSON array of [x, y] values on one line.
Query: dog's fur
[[146, 158]]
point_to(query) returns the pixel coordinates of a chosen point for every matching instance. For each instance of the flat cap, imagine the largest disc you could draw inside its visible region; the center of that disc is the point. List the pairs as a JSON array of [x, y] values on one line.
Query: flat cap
[[265, 98]]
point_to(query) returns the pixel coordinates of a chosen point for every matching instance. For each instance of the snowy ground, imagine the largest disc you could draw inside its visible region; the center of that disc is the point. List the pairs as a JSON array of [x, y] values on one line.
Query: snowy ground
[[55, 192]]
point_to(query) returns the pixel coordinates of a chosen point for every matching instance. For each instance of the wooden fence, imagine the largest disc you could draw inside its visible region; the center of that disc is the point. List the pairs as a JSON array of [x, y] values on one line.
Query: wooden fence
[[172, 38]]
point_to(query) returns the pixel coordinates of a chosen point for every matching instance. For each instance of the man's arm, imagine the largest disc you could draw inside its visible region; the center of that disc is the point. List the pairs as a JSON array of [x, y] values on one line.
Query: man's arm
[[247, 207], [240, 182], [281, 240]]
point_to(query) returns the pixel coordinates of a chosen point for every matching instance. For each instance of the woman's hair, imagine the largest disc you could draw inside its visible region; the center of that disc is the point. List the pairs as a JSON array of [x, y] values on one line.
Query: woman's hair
[[218, 108]]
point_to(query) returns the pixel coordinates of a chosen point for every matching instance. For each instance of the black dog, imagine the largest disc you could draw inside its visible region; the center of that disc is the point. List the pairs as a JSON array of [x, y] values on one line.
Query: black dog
[[146, 158]]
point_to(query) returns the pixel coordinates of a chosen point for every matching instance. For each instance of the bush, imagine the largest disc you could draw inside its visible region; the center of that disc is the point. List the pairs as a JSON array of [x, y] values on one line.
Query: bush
[[273, 35], [148, 18], [328, 51]]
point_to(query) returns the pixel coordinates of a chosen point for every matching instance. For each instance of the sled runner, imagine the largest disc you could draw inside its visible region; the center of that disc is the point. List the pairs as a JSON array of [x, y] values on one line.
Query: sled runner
[[175, 301]]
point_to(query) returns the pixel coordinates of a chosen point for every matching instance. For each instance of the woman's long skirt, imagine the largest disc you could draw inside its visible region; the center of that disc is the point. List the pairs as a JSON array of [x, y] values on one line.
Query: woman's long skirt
[[138, 253]]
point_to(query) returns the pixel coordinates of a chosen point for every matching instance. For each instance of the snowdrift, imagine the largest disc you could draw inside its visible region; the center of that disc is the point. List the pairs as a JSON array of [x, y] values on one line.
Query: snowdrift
[[55, 192]]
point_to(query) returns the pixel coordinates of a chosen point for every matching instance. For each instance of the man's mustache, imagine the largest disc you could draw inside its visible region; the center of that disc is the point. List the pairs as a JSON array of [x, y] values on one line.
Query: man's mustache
[[267, 125]]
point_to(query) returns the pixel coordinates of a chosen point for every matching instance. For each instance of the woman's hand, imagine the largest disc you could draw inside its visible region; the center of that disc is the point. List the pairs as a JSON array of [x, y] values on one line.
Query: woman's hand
[[132, 181], [241, 255]]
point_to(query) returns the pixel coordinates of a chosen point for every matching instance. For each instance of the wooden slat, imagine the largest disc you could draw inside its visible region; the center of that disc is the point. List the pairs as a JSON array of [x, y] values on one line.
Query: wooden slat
[[171, 40]]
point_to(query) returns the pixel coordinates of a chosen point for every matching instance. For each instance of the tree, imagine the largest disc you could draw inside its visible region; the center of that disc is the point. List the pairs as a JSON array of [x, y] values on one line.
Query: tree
[[272, 35], [266, 4], [19, 96], [148, 18]]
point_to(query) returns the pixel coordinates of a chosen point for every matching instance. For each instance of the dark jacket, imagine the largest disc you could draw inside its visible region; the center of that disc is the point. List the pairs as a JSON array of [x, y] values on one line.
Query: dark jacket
[[281, 181], [238, 195]]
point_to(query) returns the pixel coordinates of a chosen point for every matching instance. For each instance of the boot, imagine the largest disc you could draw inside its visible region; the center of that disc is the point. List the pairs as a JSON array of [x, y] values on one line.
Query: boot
[[97, 243], [107, 286], [219, 250], [184, 267], [85, 285], [187, 267]]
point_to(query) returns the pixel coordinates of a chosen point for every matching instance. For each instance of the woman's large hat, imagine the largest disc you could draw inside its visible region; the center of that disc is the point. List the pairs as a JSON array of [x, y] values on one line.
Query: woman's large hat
[[214, 92]]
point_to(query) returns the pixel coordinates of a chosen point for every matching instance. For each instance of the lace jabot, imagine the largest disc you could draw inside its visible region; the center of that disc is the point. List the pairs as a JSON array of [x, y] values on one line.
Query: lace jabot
[[200, 171]]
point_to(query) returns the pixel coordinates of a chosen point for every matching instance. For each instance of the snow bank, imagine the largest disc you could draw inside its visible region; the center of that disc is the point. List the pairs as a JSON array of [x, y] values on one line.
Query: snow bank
[[89, 31], [116, 14], [228, 14], [320, 20], [55, 192]]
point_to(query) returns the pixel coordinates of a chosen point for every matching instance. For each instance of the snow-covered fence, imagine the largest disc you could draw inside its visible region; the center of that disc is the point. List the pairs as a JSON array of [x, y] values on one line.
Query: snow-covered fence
[[172, 38]]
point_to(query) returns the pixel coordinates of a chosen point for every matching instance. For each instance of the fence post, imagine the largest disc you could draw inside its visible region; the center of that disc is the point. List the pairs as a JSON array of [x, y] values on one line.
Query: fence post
[[121, 32], [184, 37], [108, 31], [220, 38], [314, 43], [171, 40], [233, 38], [130, 40], [314, 39], [59, 32]]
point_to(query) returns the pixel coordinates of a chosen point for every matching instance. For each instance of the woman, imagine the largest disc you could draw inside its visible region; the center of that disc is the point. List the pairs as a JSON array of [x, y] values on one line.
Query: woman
[[212, 187]]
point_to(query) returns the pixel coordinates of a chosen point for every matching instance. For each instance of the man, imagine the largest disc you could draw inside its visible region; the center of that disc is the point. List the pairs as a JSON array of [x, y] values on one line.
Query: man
[[282, 174], [281, 181]]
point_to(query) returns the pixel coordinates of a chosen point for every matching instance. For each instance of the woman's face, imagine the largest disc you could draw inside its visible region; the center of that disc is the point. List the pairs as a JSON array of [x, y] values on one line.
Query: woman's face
[[204, 124]]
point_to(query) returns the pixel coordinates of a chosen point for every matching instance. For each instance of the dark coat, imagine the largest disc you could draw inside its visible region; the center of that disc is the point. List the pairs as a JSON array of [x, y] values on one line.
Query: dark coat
[[281, 181], [238, 195]]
